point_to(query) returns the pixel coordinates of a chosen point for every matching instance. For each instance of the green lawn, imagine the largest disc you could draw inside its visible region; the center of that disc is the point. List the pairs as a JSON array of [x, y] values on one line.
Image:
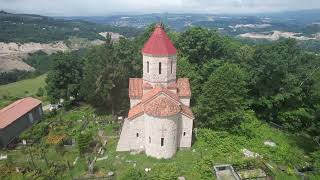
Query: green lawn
[[20, 89]]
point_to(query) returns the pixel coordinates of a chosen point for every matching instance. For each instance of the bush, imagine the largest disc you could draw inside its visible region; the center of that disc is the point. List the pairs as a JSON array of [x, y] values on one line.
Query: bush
[[133, 174], [164, 172], [67, 105], [40, 92], [83, 141]]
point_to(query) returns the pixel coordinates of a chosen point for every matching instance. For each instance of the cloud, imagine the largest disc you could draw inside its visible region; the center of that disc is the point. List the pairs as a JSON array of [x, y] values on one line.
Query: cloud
[[106, 7]]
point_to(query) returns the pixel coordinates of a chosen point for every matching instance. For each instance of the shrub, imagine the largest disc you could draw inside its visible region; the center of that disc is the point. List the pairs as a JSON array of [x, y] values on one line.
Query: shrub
[[40, 92], [164, 172], [133, 174]]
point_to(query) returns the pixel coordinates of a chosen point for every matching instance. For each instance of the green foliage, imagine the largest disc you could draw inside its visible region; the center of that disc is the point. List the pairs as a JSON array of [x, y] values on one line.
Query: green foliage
[[200, 45], [280, 81], [133, 174], [33, 28], [13, 76], [280, 84], [204, 167], [83, 140], [63, 80], [164, 172], [40, 92], [106, 73], [316, 159], [223, 99], [35, 132]]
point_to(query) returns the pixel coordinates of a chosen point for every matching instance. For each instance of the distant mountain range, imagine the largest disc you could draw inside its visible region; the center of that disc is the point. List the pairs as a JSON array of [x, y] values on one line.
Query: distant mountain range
[[24, 34], [35, 28], [260, 28], [180, 22]]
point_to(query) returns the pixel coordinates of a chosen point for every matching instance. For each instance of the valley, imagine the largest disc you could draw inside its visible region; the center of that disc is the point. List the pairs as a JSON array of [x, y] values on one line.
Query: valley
[[300, 25]]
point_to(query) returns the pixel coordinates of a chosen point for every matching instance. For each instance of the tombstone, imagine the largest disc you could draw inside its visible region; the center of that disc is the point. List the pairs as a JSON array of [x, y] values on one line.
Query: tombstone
[[110, 173], [181, 178], [100, 132], [3, 157], [270, 143], [24, 142], [90, 167], [250, 154]]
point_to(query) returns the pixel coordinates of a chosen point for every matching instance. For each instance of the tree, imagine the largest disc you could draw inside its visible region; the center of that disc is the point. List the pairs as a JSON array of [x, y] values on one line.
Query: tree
[[200, 45], [223, 98], [63, 80], [283, 85], [187, 70], [83, 140], [106, 74]]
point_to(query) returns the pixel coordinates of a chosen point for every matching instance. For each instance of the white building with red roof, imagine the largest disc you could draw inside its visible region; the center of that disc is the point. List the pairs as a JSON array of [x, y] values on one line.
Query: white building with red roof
[[160, 120], [17, 117]]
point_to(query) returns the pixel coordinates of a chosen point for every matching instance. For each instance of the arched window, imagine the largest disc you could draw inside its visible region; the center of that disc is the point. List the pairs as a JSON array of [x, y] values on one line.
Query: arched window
[[147, 66], [149, 139], [159, 67], [171, 67], [162, 141]]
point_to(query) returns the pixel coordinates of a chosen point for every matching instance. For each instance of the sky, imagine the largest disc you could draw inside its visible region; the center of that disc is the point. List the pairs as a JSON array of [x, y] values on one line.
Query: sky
[[109, 7]]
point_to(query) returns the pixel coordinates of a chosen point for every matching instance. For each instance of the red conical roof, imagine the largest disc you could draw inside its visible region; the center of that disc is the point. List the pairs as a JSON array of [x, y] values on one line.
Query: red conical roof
[[159, 44]]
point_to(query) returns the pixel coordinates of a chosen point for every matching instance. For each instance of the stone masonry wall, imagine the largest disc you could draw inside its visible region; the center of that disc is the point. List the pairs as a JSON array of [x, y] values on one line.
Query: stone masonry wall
[[157, 128], [153, 77], [185, 126], [185, 101], [134, 102], [136, 133]]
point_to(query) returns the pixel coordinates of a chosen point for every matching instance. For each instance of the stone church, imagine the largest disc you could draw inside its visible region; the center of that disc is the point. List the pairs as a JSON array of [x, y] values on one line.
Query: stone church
[[160, 119]]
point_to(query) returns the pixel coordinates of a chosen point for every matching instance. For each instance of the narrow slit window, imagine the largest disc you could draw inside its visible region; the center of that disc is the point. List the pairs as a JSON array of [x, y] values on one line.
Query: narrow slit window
[[149, 139], [171, 67], [137, 134], [147, 66], [184, 133], [162, 141], [159, 67]]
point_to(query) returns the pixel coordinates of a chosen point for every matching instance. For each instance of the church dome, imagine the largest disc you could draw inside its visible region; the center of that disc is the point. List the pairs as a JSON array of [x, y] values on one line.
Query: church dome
[[159, 44]]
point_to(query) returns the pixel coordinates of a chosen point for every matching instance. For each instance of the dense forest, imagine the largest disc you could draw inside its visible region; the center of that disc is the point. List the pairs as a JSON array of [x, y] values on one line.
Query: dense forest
[[236, 87]]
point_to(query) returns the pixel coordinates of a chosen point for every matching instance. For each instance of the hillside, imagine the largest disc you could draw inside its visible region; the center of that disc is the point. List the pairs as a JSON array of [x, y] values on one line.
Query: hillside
[[24, 28], [20, 89], [24, 34], [303, 26]]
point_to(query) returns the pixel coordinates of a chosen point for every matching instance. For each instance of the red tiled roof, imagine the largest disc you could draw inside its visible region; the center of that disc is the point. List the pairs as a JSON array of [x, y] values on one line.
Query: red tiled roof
[[135, 111], [187, 111], [183, 87], [156, 91], [161, 106], [135, 88], [159, 43], [147, 86], [172, 85], [17, 109]]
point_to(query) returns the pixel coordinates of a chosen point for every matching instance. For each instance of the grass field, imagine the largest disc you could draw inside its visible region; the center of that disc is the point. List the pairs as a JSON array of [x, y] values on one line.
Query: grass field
[[20, 89]]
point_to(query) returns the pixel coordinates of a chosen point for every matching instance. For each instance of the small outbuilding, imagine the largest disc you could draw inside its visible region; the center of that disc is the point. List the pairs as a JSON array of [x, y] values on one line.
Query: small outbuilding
[[17, 117]]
